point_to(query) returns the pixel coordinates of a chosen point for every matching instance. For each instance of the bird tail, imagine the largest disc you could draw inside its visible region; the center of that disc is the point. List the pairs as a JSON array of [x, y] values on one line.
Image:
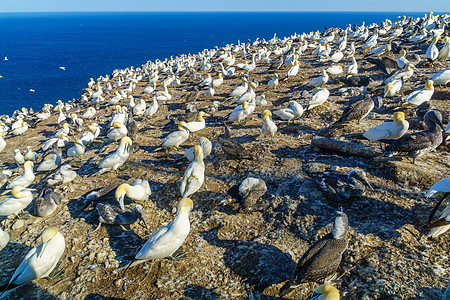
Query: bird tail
[[287, 288], [6, 288]]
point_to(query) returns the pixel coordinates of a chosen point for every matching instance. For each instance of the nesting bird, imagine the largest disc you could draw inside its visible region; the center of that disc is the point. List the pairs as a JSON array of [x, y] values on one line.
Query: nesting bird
[[118, 157], [47, 202], [390, 130], [178, 137], [194, 175], [169, 238], [292, 112], [442, 224], [20, 198], [25, 179], [138, 191], [40, 260], [420, 96], [206, 147]]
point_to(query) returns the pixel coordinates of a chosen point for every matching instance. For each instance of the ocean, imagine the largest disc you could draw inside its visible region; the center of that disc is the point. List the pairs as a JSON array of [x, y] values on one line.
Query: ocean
[[92, 44]]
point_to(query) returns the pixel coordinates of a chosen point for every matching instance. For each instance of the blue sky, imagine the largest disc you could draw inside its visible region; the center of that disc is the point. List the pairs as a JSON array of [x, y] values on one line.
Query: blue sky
[[227, 5]]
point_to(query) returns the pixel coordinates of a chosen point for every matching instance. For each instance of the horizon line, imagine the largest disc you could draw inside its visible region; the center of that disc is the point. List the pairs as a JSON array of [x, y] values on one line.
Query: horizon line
[[215, 11]]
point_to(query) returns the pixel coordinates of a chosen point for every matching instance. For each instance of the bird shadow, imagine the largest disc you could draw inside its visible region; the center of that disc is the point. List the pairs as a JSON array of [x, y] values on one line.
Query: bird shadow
[[195, 291], [258, 264], [100, 297]]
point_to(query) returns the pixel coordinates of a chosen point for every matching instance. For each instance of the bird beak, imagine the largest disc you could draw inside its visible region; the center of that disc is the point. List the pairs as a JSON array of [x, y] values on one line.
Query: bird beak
[[143, 221], [122, 206]]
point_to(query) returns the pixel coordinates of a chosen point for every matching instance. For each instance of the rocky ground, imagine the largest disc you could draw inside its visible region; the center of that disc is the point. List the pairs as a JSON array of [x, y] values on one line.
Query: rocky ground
[[237, 255]]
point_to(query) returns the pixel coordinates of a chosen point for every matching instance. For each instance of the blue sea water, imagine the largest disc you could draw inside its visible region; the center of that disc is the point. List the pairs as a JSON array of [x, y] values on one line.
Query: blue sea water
[[94, 44]]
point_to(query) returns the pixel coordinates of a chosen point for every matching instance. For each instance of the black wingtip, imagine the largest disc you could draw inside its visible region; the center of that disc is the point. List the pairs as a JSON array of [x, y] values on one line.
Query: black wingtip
[[286, 288]]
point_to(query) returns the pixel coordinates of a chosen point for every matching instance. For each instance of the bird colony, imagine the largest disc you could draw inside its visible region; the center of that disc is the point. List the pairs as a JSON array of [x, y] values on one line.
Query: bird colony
[[311, 166]]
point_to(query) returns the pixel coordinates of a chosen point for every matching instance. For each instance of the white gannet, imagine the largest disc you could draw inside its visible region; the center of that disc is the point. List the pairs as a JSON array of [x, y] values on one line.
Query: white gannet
[[336, 56], [25, 179], [432, 51], [273, 83], [218, 81], [117, 132], [77, 150], [390, 130], [293, 70], [292, 112], [40, 260], [442, 224], [442, 77], [422, 95], [60, 142], [197, 125], [319, 81], [20, 198], [247, 96], [406, 74], [64, 175], [169, 238], [402, 62], [18, 157], [194, 175], [240, 89], [139, 108], [90, 113], [380, 50], [88, 136], [176, 138], [65, 129], [319, 97], [31, 155], [240, 112], [393, 87], [4, 239], [20, 130], [150, 88], [118, 157], [353, 68], [334, 70], [206, 147], [152, 109], [138, 191], [49, 163], [268, 129], [444, 53]]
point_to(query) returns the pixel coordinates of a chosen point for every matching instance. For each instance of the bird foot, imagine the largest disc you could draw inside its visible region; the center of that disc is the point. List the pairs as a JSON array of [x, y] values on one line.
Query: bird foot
[[24, 215], [55, 274], [178, 255]]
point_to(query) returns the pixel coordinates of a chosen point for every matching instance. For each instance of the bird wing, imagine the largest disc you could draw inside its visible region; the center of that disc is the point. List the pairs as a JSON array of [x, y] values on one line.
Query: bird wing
[[155, 240], [409, 143]]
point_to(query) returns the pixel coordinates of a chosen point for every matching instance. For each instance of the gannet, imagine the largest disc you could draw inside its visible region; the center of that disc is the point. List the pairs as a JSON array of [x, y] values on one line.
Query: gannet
[[18, 157], [113, 215], [334, 70], [4, 176], [40, 260], [319, 81], [169, 238], [206, 147], [31, 155], [197, 125], [150, 88], [59, 142], [442, 77], [444, 53], [409, 71], [64, 175], [402, 62], [25, 179], [64, 130], [268, 129], [247, 96], [273, 83], [420, 96], [390, 130], [20, 198], [418, 144], [240, 112], [20, 130], [88, 136], [380, 50], [90, 112], [49, 163], [152, 109], [323, 258], [240, 89], [194, 175], [432, 51], [117, 132], [393, 87], [353, 68], [294, 69], [338, 188], [139, 108], [47, 202], [176, 138], [319, 97], [325, 292], [138, 191], [442, 224], [118, 157], [292, 112], [116, 99], [4, 239], [77, 150], [251, 190], [217, 82]]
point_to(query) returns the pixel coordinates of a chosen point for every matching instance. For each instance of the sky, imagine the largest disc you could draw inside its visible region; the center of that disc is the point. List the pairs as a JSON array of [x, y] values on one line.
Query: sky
[[227, 5]]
